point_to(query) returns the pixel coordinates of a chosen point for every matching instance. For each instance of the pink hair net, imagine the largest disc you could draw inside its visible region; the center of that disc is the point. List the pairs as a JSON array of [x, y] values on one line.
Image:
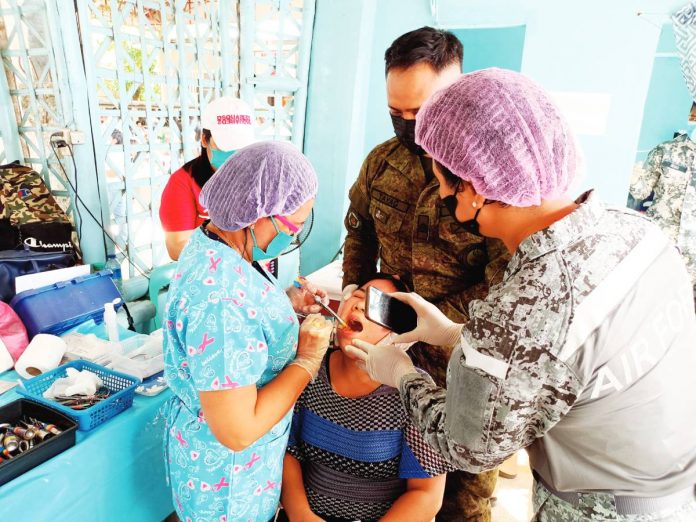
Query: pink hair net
[[501, 132], [263, 179]]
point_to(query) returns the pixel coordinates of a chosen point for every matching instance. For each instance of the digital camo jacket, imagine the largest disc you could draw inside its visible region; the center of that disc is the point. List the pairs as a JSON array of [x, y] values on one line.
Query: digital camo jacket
[[669, 175], [564, 357]]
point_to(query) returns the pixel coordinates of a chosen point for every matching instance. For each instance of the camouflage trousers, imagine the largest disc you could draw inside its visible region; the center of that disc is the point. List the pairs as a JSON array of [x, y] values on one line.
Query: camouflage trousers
[[600, 507], [468, 497]]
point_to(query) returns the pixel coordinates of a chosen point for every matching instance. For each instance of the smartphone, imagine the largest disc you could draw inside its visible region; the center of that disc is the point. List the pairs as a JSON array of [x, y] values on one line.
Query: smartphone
[[389, 312]]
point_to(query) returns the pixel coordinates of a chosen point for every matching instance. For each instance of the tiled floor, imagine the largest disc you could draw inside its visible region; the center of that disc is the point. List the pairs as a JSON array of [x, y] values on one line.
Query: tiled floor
[[514, 496]]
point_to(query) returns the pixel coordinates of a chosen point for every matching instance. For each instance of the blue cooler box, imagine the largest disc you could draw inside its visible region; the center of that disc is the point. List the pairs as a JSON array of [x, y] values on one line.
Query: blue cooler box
[[59, 307]]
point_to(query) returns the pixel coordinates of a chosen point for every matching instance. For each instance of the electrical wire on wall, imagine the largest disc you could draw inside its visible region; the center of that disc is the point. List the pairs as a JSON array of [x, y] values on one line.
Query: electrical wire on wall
[[57, 142], [77, 206]]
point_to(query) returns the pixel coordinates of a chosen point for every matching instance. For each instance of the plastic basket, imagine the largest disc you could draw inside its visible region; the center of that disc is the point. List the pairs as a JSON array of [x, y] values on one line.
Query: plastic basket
[[121, 386]]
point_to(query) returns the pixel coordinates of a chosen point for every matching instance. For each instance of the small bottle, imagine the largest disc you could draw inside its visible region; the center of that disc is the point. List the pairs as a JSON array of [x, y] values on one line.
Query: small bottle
[[110, 321], [115, 267]]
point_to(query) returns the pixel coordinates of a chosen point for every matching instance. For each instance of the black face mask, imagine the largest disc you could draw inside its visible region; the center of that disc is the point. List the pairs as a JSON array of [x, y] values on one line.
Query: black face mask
[[405, 131], [470, 225]]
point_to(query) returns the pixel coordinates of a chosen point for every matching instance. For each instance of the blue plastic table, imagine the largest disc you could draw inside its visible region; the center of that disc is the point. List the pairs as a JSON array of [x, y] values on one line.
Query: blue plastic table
[[114, 472]]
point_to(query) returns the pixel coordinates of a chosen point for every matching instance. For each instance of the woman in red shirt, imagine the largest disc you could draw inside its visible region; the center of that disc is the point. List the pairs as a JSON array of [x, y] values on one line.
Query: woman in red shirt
[[227, 125]]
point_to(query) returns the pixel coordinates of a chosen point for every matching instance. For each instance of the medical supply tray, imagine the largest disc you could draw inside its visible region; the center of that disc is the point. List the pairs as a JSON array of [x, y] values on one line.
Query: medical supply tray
[[56, 308], [40, 453], [121, 388]]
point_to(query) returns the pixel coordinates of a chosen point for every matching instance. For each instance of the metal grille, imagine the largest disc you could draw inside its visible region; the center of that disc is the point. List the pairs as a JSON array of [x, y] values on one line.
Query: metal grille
[[275, 44], [155, 64], [30, 69], [150, 67]]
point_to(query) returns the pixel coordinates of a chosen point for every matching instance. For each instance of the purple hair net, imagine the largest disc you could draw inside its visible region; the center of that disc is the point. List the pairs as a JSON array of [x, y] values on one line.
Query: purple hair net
[[502, 133], [263, 179]]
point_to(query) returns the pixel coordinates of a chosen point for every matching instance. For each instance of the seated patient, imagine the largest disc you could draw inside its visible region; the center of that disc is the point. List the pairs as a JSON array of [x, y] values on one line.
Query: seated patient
[[353, 452]]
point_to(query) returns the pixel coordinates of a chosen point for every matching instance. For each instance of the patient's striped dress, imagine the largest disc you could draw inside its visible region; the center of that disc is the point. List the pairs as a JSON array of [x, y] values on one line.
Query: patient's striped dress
[[356, 453]]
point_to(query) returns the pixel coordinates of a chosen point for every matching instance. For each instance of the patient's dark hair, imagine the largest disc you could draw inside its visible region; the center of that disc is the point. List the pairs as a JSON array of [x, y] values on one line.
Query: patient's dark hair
[[435, 47], [398, 283]]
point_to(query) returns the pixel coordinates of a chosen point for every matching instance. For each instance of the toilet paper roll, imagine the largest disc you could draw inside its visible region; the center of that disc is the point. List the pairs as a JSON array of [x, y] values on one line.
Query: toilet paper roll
[[44, 353], [6, 360]]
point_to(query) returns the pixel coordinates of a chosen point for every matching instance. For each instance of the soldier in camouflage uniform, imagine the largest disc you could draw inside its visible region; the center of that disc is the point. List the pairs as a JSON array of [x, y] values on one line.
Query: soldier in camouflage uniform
[[396, 218], [669, 176], [584, 353]]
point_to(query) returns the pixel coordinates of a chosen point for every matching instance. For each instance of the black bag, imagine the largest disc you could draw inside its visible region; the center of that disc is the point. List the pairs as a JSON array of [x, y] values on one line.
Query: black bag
[[14, 263]]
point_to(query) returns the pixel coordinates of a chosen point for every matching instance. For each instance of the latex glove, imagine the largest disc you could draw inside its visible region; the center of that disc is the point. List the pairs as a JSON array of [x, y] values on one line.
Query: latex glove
[[302, 299], [315, 333], [346, 294], [389, 339], [386, 364], [433, 326]]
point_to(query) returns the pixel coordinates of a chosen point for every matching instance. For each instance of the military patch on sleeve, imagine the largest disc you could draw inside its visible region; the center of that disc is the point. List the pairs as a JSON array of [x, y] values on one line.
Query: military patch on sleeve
[[475, 256], [353, 220]]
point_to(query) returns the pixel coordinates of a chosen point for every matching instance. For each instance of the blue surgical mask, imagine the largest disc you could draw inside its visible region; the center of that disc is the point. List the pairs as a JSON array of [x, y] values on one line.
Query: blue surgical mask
[[275, 247], [220, 157]]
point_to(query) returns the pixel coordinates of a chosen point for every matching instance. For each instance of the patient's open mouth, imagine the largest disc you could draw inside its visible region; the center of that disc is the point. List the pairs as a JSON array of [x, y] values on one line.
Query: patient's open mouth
[[355, 325]]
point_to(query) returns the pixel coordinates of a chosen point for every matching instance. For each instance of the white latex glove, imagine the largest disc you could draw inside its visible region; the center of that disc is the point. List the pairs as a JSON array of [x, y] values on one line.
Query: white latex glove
[[385, 364], [315, 333], [346, 294], [433, 326], [389, 339], [302, 299]]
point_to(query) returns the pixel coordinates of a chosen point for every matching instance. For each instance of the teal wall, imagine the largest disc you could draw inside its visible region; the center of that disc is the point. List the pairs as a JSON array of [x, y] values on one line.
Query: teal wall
[[336, 119], [595, 47], [492, 47]]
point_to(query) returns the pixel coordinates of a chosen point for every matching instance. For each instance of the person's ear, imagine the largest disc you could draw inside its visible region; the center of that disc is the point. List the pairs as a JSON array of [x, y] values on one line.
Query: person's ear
[[204, 140], [467, 192]]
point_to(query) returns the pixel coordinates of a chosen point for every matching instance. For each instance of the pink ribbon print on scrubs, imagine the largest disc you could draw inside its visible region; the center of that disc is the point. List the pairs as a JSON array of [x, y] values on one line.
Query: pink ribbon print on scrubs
[[227, 327]]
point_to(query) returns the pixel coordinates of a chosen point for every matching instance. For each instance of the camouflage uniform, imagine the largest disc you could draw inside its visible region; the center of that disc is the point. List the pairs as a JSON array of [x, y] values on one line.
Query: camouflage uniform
[[584, 356], [599, 506], [396, 217], [669, 175]]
